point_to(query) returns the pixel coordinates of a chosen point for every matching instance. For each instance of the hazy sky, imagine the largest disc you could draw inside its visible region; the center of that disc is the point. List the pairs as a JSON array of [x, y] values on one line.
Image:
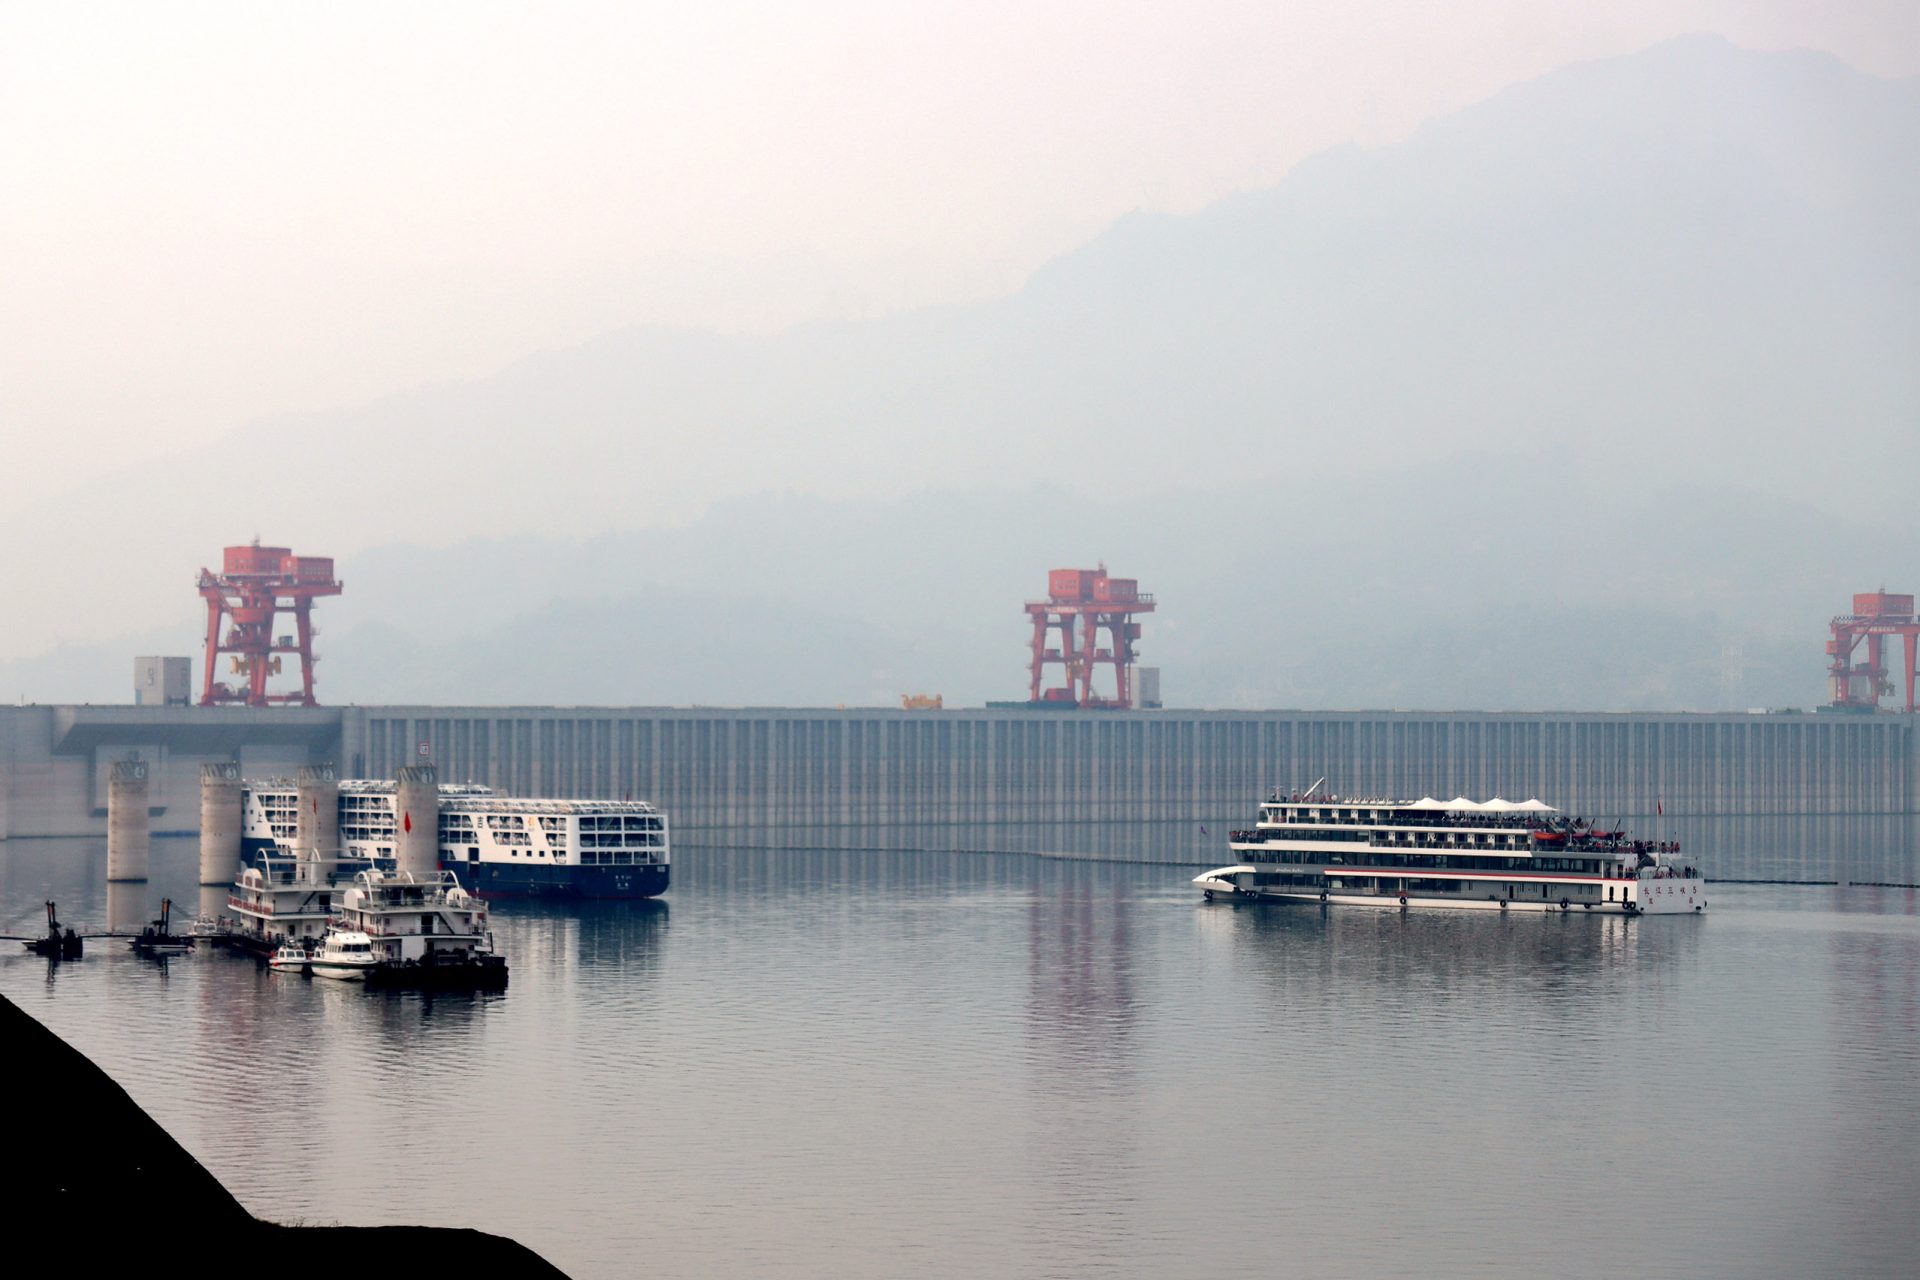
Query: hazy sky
[[213, 212]]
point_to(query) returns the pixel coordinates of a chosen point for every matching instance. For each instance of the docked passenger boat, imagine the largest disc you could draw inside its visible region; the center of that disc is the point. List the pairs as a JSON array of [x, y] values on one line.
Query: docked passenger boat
[[1492, 854], [279, 898], [351, 918], [498, 845], [417, 931]]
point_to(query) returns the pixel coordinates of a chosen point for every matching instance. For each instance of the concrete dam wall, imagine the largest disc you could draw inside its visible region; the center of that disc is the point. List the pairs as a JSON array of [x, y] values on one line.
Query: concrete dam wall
[[1789, 797]]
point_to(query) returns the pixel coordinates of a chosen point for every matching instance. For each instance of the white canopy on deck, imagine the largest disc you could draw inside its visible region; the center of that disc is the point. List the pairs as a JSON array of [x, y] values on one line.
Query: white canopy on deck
[[1460, 804]]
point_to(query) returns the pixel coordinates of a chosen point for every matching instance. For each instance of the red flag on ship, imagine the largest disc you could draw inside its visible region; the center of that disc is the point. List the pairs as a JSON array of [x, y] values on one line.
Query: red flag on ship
[[406, 823]]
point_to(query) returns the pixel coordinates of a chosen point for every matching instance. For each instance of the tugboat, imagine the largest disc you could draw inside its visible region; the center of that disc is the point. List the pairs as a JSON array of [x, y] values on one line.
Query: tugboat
[[158, 938], [56, 945]]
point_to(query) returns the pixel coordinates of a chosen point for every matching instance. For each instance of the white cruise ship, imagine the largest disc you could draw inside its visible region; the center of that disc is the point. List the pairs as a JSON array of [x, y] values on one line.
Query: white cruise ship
[[1492, 854], [498, 845]]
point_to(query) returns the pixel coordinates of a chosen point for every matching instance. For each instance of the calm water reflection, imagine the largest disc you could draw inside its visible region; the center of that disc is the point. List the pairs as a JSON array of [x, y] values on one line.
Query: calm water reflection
[[858, 1064]]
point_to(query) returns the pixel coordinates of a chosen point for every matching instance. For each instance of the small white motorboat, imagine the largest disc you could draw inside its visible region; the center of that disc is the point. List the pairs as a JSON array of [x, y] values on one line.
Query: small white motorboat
[[346, 954]]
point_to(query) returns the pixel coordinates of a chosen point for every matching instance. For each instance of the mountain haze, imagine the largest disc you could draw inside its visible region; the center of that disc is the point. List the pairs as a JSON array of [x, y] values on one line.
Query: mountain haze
[[1676, 294], [1509, 584]]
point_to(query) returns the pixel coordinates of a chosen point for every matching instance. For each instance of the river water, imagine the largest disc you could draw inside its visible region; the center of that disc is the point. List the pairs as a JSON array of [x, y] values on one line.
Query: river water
[[877, 1065]]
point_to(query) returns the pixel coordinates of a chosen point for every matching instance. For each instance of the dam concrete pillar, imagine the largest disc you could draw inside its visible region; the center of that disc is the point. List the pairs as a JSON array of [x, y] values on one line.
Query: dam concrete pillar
[[416, 820], [317, 826], [129, 829], [219, 822]]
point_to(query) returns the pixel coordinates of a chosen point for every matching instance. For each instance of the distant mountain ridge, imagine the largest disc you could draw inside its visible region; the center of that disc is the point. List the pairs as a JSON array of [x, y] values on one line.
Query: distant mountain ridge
[[1684, 270]]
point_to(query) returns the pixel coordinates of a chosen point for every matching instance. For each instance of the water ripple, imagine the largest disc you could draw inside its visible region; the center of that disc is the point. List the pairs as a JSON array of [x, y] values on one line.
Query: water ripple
[[866, 1064]]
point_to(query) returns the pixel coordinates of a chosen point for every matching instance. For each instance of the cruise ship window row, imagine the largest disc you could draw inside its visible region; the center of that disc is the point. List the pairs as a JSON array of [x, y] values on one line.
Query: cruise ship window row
[[1455, 862], [1435, 840], [614, 822], [1376, 819], [1423, 886]]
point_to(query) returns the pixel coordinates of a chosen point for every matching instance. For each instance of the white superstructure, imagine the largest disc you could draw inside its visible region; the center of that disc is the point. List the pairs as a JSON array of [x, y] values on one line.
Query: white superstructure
[[1494, 854], [409, 919], [279, 898]]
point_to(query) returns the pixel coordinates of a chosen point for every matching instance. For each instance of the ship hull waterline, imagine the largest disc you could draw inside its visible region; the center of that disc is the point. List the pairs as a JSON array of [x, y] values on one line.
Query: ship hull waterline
[[1412, 902], [494, 880]]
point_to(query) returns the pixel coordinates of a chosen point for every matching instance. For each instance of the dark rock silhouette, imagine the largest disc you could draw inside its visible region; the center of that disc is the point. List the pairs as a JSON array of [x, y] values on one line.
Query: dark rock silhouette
[[92, 1182]]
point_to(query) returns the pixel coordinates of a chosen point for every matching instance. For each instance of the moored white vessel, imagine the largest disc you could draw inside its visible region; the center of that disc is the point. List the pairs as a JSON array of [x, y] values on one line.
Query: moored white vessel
[[1493, 855], [279, 897], [420, 930], [291, 957], [346, 954]]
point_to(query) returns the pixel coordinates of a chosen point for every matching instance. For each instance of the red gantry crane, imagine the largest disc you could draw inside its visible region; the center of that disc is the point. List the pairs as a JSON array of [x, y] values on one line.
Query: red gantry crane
[[254, 584], [1081, 603], [1859, 686]]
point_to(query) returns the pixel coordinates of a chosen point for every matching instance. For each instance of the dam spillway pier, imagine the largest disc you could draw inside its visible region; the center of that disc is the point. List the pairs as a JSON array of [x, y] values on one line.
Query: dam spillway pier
[[417, 828], [219, 824], [317, 823], [129, 825]]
